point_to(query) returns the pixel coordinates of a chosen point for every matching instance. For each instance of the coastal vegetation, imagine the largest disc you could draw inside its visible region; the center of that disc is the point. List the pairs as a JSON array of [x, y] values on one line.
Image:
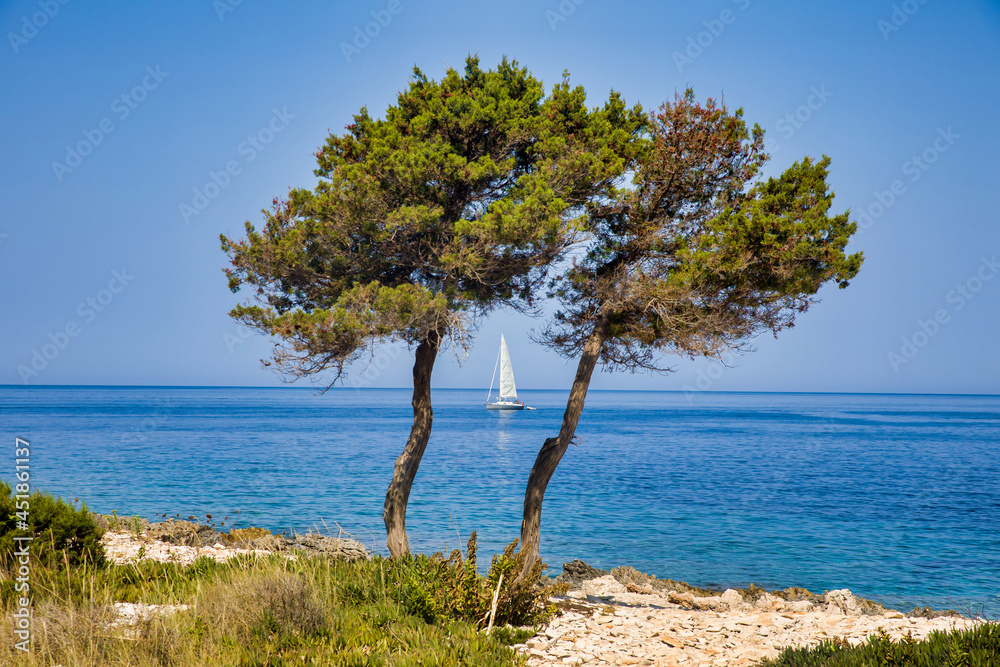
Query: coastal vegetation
[[262, 610], [62, 534], [455, 203], [978, 647]]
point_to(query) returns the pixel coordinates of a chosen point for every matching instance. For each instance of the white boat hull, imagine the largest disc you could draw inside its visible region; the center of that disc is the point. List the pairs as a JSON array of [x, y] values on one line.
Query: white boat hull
[[504, 406]]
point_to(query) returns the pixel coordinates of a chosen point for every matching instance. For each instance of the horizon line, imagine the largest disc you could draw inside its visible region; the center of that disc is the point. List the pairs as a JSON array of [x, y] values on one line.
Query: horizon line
[[647, 391]]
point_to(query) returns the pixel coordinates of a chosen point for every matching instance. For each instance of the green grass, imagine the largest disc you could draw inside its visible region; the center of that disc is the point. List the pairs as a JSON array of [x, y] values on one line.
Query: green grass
[[252, 611], [249, 611], [978, 647]]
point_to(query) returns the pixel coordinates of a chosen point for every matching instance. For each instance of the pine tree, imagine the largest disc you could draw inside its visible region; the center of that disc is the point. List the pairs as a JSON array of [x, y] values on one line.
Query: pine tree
[[696, 256]]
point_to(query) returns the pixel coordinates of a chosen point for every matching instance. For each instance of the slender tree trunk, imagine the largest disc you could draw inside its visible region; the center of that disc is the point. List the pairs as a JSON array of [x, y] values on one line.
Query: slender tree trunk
[[398, 494], [552, 451]]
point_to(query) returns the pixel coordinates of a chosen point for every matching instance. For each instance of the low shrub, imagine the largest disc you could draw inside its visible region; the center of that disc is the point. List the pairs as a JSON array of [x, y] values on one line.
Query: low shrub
[[434, 587], [978, 647], [62, 534], [510, 635]]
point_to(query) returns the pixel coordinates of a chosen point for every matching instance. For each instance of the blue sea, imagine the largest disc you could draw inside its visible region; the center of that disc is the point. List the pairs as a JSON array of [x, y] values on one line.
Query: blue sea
[[896, 497]]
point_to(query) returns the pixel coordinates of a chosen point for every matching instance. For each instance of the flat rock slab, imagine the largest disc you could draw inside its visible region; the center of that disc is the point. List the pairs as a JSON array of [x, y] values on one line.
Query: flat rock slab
[[336, 547]]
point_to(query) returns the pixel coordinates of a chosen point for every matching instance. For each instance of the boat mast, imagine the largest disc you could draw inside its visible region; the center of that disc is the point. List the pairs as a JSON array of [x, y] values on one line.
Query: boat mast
[[490, 393]]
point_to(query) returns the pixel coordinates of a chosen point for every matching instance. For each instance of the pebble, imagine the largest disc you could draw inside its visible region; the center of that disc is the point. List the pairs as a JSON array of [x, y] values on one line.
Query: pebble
[[740, 635]]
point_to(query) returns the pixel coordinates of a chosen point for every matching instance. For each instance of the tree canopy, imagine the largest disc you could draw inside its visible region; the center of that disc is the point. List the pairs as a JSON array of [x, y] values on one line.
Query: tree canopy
[[456, 202]]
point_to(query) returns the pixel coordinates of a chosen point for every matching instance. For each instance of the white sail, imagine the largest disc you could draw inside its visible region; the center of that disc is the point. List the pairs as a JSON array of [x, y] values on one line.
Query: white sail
[[507, 388]]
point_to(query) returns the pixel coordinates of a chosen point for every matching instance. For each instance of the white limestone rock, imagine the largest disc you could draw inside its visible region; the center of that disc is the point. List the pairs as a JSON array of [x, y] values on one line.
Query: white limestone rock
[[842, 601], [603, 587], [732, 599]]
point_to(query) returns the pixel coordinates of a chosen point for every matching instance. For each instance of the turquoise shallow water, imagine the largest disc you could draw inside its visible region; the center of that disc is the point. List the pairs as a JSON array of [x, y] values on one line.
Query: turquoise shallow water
[[896, 497]]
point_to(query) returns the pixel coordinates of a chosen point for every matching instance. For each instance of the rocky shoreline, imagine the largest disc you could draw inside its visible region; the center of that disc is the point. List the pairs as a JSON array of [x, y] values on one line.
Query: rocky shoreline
[[622, 617], [578, 572], [626, 617]]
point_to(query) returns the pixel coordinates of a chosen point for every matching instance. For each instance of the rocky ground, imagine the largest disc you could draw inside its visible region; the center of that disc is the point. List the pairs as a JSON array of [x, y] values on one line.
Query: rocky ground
[[627, 618], [184, 542]]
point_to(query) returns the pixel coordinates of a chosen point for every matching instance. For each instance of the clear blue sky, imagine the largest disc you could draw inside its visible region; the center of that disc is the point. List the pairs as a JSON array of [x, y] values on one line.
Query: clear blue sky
[[114, 115]]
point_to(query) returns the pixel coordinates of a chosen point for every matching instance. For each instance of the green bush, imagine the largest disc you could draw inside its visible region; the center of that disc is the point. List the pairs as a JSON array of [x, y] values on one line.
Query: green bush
[[62, 534], [978, 647], [434, 587]]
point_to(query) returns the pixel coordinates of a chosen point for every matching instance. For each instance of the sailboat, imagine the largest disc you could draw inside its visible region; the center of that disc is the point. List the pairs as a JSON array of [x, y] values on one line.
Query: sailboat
[[507, 400]]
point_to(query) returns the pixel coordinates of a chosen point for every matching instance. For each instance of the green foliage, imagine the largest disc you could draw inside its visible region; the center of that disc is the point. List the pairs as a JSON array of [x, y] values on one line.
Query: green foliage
[[434, 587], [699, 255], [455, 202], [978, 647], [509, 635], [61, 533]]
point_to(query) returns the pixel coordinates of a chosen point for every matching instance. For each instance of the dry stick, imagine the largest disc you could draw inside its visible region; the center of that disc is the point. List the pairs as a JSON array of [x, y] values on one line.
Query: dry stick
[[493, 606], [342, 531]]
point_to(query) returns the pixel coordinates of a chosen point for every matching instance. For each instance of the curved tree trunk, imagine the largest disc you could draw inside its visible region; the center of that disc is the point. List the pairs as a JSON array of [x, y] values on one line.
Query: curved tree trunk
[[552, 451], [398, 494]]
